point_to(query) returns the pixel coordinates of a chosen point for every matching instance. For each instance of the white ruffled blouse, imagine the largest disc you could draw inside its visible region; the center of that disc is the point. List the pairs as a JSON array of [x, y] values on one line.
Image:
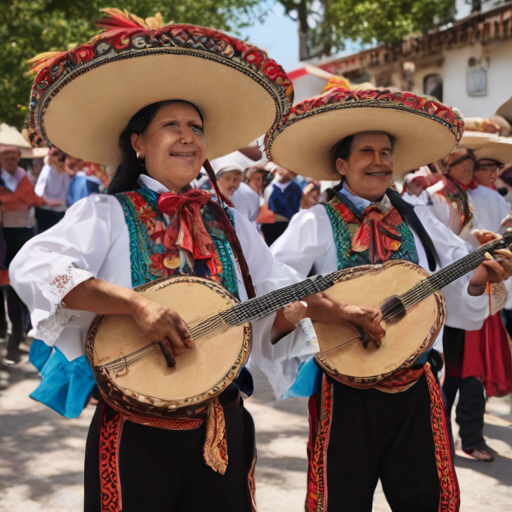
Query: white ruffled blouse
[[92, 241]]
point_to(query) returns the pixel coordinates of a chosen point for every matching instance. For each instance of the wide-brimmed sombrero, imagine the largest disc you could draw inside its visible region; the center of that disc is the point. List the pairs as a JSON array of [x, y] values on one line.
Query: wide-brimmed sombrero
[[12, 138], [304, 142], [82, 99], [488, 146]]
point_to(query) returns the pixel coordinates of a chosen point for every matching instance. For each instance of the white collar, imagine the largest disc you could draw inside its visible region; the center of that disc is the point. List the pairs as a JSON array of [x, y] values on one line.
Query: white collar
[[282, 186], [152, 184], [361, 203]]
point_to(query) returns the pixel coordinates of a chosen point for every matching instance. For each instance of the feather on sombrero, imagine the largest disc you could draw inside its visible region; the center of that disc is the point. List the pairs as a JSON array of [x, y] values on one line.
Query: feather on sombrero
[[304, 141], [82, 99]]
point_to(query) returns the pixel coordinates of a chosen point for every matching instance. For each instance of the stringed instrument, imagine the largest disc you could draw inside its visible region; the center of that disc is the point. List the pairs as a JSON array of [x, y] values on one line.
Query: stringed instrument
[[134, 376]]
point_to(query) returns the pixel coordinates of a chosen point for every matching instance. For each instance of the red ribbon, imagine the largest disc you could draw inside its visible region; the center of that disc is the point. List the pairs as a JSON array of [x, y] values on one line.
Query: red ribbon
[[187, 231], [379, 233], [186, 228]]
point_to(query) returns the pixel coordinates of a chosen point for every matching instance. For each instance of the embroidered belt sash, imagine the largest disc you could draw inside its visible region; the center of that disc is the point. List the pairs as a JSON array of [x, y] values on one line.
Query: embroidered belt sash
[[215, 449]]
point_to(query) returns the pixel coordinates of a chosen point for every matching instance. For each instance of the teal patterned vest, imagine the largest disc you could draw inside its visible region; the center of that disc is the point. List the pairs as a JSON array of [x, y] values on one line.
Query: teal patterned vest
[[346, 221], [147, 224]]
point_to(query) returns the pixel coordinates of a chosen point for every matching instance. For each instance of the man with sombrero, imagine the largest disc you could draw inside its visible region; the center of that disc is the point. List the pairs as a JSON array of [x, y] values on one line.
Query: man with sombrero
[[491, 153], [395, 432], [478, 358]]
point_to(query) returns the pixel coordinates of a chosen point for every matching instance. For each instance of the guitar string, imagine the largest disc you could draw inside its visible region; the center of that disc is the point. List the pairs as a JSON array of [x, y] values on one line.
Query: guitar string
[[254, 309], [444, 277]]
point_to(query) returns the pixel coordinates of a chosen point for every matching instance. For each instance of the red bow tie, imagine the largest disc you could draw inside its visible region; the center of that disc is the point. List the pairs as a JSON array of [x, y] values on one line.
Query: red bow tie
[[186, 230]]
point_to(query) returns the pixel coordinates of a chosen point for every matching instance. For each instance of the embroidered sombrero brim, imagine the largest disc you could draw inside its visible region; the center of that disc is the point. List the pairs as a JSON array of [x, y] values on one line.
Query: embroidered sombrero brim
[[304, 142], [488, 146], [83, 99]]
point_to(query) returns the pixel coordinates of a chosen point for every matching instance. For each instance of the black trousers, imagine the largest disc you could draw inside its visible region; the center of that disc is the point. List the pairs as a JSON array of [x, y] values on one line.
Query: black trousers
[[163, 470], [376, 435], [46, 219], [470, 409], [272, 232], [15, 239]]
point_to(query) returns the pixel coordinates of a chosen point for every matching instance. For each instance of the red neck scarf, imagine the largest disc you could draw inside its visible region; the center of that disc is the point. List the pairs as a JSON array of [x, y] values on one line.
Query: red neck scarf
[[186, 230]]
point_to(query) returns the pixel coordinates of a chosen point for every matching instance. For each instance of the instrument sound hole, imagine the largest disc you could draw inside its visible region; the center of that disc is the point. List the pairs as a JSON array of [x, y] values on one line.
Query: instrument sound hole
[[392, 309]]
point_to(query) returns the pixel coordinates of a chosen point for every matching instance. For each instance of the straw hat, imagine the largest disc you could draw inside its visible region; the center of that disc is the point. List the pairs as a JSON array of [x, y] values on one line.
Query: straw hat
[[505, 110], [12, 138], [304, 141], [488, 146], [82, 99]]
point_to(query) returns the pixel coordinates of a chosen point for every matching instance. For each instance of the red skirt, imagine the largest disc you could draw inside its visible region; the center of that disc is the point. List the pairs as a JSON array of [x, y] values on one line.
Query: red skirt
[[487, 356]]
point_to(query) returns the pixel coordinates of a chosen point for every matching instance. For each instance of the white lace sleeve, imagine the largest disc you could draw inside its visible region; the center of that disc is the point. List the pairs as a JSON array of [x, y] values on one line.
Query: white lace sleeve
[[59, 285], [51, 264]]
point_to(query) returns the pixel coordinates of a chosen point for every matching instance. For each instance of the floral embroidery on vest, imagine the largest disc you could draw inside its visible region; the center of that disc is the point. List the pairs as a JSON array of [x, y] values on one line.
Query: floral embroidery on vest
[[151, 260], [368, 237]]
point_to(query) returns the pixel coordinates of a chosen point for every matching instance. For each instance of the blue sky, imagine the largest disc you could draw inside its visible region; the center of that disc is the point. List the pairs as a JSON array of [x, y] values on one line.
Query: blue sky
[[278, 37]]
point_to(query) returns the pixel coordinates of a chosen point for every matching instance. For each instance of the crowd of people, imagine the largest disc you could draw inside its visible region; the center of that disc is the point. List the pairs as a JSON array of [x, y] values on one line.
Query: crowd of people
[[349, 181], [33, 199]]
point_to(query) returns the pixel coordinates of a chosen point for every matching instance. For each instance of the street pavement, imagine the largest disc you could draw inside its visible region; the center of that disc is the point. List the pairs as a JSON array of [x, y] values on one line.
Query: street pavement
[[41, 453]]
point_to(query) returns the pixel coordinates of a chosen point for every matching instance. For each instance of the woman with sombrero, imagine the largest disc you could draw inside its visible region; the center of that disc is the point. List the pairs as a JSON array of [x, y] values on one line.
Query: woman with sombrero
[[155, 102], [395, 432]]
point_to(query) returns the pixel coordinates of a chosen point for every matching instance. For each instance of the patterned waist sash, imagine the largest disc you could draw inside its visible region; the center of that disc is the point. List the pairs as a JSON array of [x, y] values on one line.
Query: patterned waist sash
[[215, 448]]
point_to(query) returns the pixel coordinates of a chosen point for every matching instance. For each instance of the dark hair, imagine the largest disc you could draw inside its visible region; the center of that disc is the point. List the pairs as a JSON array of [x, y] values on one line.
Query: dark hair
[[129, 169], [342, 149]]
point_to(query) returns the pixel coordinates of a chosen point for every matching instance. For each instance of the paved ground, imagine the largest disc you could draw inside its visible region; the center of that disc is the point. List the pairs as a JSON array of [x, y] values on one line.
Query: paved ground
[[41, 454]]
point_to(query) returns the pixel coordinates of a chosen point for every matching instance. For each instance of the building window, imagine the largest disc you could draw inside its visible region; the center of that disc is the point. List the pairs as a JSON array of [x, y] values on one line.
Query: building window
[[433, 86]]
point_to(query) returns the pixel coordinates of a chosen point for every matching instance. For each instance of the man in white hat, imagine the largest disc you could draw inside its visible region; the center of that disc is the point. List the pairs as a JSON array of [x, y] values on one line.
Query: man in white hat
[[17, 200], [229, 171], [360, 435], [491, 153]]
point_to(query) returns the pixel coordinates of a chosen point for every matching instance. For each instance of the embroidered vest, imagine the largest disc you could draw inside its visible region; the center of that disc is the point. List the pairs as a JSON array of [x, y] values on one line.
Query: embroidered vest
[[149, 258], [368, 237]]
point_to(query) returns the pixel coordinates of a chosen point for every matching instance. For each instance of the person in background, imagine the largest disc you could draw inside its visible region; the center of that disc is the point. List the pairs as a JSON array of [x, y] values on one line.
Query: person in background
[[310, 195], [81, 185], [283, 197], [17, 199], [255, 177], [247, 199], [504, 183], [52, 183], [229, 176], [35, 169], [486, 172], [474, 354]]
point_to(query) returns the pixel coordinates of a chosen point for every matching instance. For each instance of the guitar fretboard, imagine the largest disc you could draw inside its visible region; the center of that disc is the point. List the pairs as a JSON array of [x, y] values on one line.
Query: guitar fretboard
[[444, 277], [258, 307]]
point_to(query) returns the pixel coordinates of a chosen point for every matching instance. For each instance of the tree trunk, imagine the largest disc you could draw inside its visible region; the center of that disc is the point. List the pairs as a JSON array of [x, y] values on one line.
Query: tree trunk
[[302, 14]]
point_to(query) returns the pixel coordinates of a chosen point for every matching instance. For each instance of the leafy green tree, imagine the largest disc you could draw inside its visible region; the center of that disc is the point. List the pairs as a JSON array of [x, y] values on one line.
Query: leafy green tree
[[30, 27], [324, 25]]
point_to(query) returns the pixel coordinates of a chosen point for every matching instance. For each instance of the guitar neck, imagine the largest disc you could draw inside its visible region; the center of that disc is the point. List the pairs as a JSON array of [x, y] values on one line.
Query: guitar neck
[[258, 307], [444, 277]]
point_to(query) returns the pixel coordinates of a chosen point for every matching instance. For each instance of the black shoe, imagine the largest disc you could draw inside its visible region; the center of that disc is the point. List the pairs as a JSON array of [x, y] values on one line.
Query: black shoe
[[483, 453], [14, 356]]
